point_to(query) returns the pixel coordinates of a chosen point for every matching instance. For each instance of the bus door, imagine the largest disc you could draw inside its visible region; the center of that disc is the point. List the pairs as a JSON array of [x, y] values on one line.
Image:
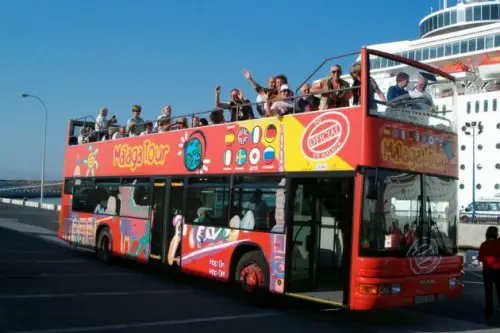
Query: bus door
[[320, 222], [157, 218]]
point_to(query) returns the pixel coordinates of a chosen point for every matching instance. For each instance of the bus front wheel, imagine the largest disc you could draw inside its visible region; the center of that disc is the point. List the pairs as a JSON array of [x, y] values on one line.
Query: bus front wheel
[[252, 275]]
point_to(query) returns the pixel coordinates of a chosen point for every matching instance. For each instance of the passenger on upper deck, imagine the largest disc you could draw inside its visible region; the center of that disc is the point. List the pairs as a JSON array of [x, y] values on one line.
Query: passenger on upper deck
[[420, 92], [217, 117], [237, 107], [261, 92], [335, 99], [102, 123], [280, 107], [355, 73], [120, 134], [136, 119], [166, 114], [148, 128], [307, 102], [402, 80]]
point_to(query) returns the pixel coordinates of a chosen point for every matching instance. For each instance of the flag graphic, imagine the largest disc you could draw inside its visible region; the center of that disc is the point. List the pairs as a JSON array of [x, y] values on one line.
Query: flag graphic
[[241, 157], [271, 133], [227, 157], [243, 136], [269, 155], [229, 138], [254, 156], [256, 134]]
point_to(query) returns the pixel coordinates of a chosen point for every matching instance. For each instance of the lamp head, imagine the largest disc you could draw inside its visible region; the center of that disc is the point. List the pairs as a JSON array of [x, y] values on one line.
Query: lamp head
[[23, 95]]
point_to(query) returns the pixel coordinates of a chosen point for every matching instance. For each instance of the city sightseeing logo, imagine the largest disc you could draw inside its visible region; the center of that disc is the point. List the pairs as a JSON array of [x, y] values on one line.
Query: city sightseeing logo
[[424, 256]]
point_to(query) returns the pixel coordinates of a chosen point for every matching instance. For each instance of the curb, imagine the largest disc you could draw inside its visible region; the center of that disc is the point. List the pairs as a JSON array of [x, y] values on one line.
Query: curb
[[33, 204]]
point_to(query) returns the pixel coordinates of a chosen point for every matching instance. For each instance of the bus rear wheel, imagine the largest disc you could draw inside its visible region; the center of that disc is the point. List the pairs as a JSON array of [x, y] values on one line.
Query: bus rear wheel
[[252, 276], [104, 248]]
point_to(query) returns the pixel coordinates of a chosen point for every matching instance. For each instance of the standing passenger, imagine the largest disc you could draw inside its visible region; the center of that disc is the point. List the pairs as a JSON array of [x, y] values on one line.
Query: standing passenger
[[489, 255]]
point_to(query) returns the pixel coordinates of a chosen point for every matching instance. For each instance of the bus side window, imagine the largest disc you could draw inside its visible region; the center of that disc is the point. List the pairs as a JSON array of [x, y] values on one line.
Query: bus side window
[[208, 202]]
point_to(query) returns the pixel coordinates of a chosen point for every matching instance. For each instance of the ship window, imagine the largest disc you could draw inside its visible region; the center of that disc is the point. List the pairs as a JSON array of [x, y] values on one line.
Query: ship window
[[498, 146], [477, 106], [490, 41], [462, 166], [434, 22], [485, 106], [433, 52], [495, 104], [497, 165], [463, 46], [463, 147], [418, 55], [453, 17], [462, 186], [456, 48], [478, 186], [486, 12], [468, 14], [472, 45], [480, 43], [477, 13], [494, 12], [446, 18], [440, 20], [480, 147], [468, 107], [497, 40], [384, 62], [440, 51], [497, 186], [447, 49], [425, 53], [479, 166]]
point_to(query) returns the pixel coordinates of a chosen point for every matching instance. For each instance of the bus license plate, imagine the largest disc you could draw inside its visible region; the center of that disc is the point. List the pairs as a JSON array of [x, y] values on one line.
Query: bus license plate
[[425, 299]]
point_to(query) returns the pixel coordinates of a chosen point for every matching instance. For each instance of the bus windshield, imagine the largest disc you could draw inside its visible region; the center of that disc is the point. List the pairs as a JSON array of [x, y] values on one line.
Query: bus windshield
[[403, 210], [408, 93]]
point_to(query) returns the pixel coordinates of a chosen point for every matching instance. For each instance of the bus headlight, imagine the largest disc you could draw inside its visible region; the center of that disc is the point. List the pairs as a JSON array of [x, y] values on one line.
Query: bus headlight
[[396, 288]]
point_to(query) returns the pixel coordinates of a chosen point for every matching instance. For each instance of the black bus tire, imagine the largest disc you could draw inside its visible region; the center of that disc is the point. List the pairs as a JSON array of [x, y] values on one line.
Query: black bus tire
[[104, 246]]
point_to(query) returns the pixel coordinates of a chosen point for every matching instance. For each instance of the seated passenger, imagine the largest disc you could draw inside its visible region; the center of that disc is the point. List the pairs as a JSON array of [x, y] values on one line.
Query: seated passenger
[[197, 122], [402, 80], [132, 130], [136, 119], [148, 129], [102, 123], [238, 106], [84, 135], [166, 114], [307, 102], [333, 99], [120, 134], [280, 107], [217, 117], [420, 92], [181, 123]]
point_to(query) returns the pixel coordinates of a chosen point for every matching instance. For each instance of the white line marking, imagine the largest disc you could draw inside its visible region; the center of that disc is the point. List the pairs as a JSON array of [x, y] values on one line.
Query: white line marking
[[118, 293], [151, 324], [474, 273], [48, 275], [473, 282], [43, 261]]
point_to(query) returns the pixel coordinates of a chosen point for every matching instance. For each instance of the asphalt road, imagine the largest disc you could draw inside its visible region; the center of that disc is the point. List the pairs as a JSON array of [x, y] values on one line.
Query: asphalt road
[[45, 286]]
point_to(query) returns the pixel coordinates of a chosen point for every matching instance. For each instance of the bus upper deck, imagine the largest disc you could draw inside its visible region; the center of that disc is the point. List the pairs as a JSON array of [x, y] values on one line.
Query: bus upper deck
[[355, 125]]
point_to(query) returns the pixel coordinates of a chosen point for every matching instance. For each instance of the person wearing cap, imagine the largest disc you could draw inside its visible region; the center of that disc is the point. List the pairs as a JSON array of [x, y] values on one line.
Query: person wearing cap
[[136, 119], [332, 99], [283, 106]]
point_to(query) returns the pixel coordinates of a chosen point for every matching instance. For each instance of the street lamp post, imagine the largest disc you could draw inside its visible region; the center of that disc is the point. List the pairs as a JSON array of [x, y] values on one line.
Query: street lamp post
[[470, 129], [24, 95]]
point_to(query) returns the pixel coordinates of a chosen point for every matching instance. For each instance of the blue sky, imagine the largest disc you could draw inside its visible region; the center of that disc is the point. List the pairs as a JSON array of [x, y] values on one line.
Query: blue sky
[[79, 56]]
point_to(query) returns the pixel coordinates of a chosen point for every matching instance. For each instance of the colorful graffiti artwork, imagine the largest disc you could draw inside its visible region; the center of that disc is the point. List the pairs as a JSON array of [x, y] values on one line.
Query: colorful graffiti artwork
[[277, 263], [134, 237]]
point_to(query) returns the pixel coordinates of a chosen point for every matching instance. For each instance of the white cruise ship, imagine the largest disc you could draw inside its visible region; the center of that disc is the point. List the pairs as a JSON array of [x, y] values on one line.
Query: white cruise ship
[[463, 40]]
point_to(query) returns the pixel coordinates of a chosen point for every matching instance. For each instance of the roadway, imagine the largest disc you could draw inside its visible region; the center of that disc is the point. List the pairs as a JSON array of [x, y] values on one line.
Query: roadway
[[47, 287]]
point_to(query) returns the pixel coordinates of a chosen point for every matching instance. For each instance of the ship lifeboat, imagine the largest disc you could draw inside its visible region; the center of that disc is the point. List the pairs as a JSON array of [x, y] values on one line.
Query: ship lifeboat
[[455, 68], [489, 68]]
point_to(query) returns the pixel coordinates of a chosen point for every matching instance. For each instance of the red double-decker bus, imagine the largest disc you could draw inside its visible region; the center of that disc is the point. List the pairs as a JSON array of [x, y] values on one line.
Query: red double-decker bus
[[352, 206]]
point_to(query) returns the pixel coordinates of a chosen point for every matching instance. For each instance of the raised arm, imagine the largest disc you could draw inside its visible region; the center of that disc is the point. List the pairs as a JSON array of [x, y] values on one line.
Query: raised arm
[[218, 104]]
